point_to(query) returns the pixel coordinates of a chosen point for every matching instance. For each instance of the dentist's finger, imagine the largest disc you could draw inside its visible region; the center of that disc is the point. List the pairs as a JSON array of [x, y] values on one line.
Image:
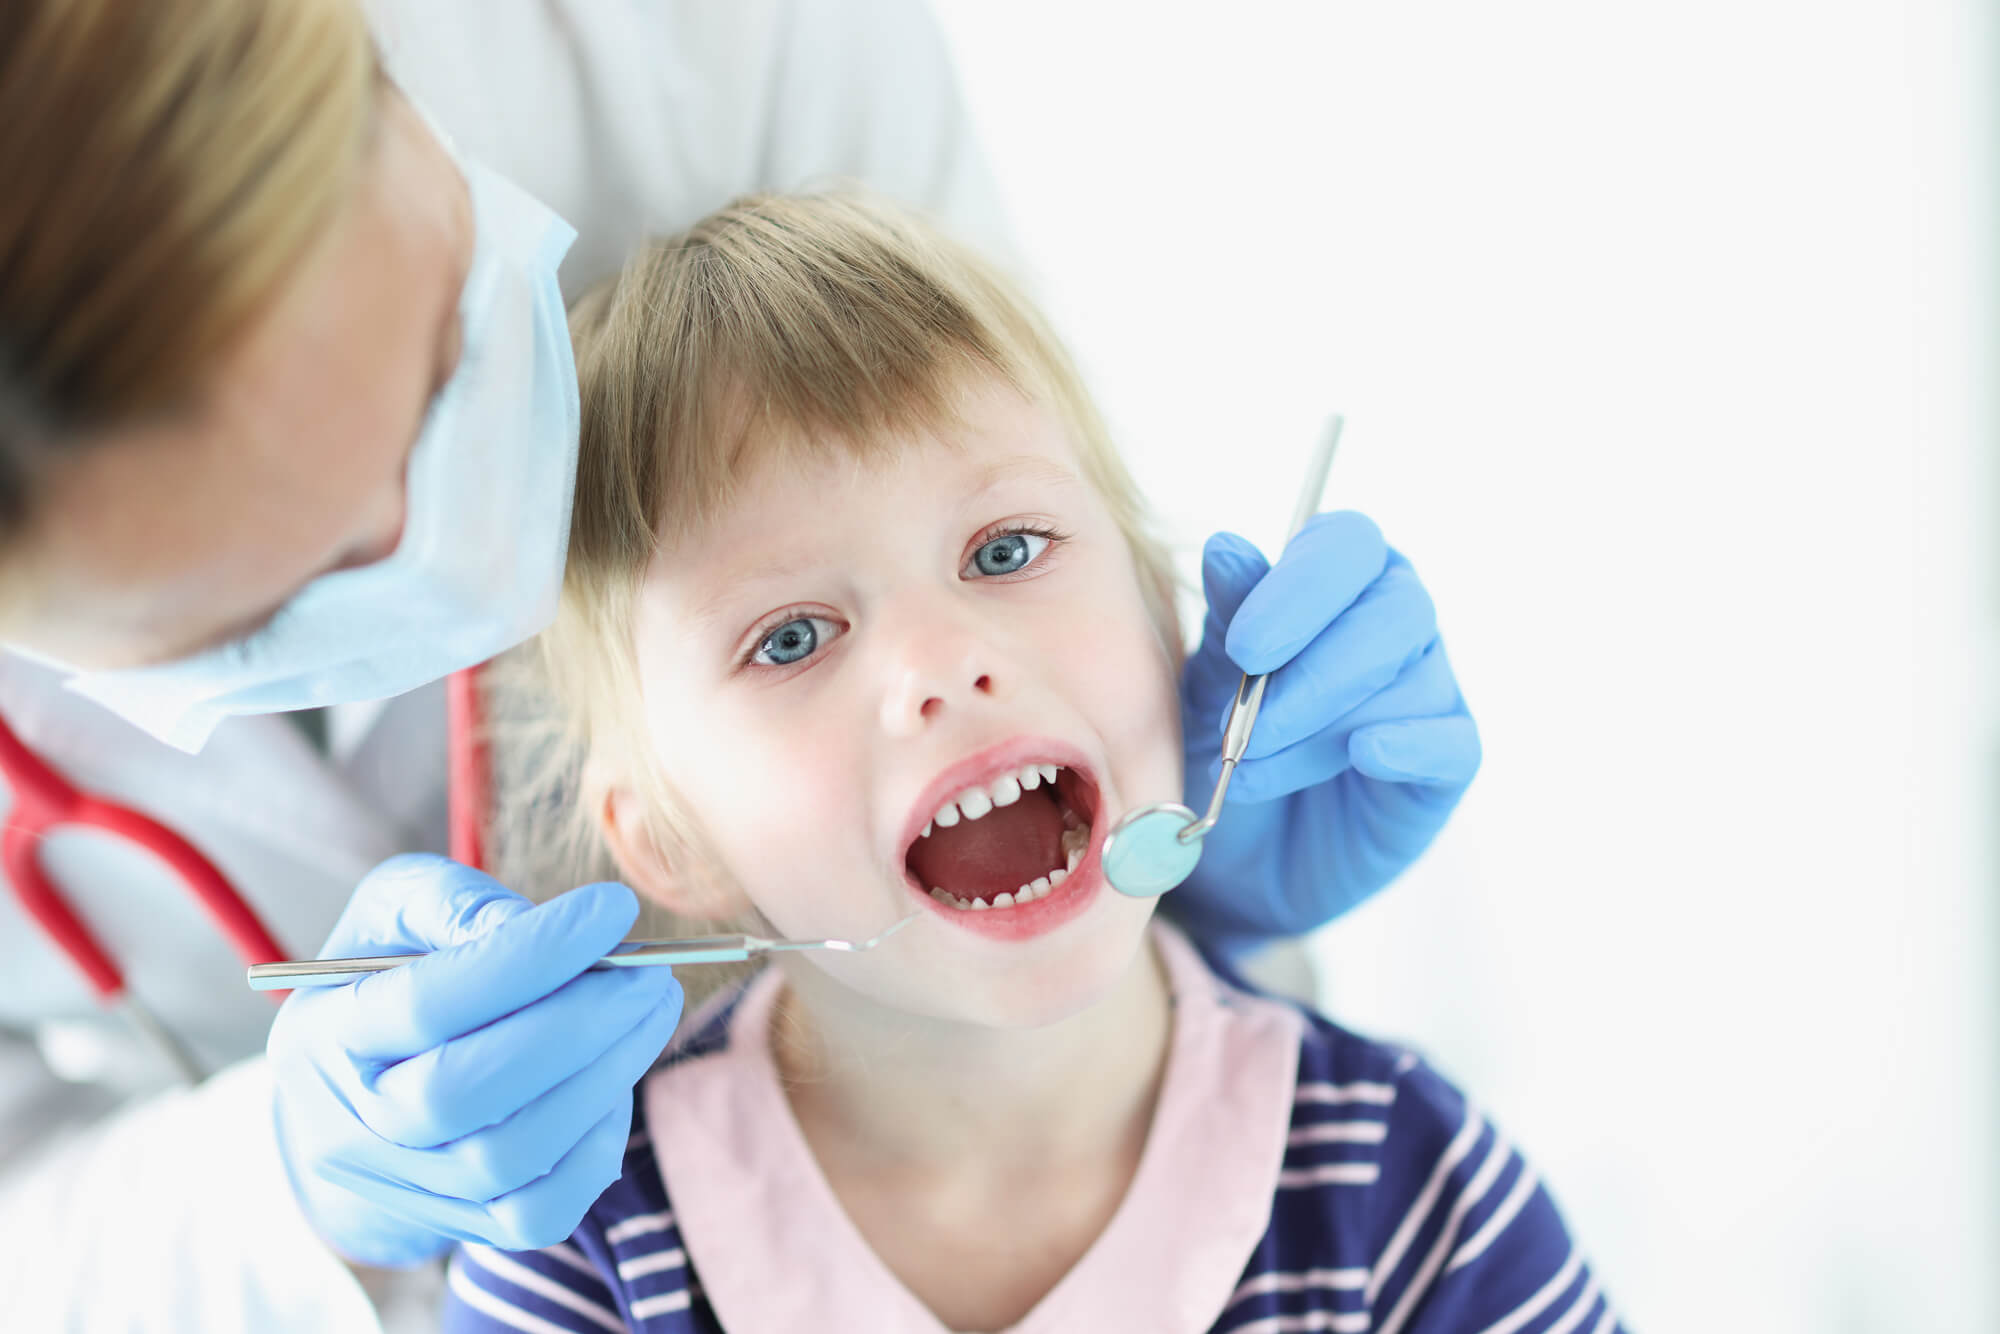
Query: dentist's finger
[[542, 1213], [1442, 751], [417, 902], [1322, 571], [1367, 649], [393, 1015], [1230, 567], [1427, 690], [527, 1143], [468, 1082], [546, 1211]]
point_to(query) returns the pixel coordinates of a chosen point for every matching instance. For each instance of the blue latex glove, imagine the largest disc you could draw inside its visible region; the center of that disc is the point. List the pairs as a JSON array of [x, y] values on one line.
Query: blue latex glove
[[1361, 750], [483, 1093]]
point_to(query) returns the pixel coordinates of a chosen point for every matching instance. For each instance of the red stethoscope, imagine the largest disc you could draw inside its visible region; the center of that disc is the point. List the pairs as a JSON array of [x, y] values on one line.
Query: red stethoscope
[[45, 801]]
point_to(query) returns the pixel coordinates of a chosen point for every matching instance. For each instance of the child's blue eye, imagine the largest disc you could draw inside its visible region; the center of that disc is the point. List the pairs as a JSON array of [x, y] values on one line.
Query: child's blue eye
[[1010, 552], [794, 641]]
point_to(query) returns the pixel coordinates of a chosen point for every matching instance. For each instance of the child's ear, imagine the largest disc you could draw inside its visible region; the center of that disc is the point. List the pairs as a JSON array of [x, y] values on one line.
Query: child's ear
[[670, 878]]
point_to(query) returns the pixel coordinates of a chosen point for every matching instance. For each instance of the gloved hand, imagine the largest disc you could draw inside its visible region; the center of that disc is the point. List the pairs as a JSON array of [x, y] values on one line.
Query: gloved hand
[[483, 1093], [1361, 749]]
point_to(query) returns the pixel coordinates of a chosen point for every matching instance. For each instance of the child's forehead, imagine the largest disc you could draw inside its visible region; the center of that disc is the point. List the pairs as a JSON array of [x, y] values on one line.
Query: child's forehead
[[995, 441]]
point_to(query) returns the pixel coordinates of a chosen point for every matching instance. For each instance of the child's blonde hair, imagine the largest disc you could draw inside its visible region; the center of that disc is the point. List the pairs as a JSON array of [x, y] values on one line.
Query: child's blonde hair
[[780, 326]]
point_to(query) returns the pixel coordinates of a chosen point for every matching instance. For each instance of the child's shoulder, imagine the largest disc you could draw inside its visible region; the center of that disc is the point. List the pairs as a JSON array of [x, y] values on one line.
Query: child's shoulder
[[1340, 1068], [1332, 1053], [1375, 1114], [1367, 1111], [1397, 1195]]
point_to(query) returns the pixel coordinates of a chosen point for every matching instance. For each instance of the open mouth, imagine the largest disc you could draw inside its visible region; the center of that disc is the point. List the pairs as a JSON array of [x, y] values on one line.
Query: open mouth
[[1009, 842]]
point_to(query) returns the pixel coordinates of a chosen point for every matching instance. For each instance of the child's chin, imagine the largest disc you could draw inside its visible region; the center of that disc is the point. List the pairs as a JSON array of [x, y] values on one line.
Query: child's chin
[[1039, 988]]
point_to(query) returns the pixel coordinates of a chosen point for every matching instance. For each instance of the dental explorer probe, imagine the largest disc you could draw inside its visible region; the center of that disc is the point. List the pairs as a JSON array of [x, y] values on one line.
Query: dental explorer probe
[[295, 973], [1154, 847]]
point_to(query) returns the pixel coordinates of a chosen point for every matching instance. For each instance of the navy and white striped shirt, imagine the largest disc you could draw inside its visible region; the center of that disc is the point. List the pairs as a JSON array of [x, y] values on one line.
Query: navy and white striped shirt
[[1296, 1178]]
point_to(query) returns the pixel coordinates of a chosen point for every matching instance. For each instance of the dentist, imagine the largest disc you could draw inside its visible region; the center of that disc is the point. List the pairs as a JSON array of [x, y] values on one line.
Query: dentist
[[288, 425]]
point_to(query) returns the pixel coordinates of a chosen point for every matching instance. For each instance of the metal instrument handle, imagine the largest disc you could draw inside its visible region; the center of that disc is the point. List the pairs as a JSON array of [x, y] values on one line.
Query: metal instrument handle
[[296, 973], [1250, 690]]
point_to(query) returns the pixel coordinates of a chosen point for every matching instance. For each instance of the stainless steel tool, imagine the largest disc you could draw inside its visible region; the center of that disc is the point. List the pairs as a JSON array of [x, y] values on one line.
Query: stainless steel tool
[[294, 973]]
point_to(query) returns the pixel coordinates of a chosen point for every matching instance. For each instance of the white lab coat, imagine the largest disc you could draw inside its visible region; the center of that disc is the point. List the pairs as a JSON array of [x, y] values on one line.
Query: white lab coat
[[125, 1204]]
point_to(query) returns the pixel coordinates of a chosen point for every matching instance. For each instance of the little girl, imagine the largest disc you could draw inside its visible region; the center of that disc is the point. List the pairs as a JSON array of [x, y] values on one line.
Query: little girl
[[862, 620]]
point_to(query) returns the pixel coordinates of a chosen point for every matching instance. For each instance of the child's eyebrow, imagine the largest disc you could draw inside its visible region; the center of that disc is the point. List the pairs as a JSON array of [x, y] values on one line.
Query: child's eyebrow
[[708, 610], [1025, 468], [1019, 468]]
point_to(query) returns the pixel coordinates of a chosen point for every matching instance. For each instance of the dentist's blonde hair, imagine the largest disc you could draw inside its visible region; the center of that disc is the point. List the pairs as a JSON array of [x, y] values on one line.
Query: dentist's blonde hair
[[165, 163], [780, 326]]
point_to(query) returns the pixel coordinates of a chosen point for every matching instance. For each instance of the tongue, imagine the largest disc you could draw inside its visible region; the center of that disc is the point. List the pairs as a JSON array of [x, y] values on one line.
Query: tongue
[[998, 853]]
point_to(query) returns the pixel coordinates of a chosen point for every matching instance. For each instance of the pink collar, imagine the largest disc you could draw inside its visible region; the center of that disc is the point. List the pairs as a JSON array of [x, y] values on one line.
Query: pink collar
[[774, 1251]]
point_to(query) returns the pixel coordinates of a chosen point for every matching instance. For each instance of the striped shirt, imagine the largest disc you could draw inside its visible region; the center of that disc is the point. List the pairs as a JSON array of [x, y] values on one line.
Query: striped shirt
[[1296, 1179]]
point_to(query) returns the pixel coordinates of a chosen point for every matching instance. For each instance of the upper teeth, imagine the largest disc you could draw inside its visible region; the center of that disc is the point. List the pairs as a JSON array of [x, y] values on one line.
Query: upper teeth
[[1005, 790]]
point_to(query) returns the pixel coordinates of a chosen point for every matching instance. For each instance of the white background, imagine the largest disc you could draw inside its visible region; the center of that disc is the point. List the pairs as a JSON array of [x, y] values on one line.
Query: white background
[[1660, 331]]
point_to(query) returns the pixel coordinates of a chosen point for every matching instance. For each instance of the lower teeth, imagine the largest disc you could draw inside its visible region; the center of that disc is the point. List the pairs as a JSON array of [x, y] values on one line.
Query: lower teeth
[[1075, 840], [1028, 893]]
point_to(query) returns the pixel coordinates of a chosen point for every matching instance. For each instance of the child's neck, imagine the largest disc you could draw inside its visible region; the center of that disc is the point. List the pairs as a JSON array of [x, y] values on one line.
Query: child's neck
[[922, 1089], [944, 1141]]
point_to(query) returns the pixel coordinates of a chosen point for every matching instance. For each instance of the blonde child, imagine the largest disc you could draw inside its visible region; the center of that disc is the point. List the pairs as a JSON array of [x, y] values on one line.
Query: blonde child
[[863, 619]]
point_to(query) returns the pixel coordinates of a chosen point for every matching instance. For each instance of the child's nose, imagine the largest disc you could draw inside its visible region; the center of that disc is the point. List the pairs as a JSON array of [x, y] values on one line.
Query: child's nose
[[935, 675]]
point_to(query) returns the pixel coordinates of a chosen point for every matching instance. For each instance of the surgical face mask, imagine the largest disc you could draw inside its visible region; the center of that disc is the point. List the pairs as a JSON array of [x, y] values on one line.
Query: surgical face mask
[[479, 565]]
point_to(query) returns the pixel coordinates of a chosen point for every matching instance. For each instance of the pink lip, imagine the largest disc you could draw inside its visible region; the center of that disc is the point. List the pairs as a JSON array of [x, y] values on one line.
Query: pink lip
[[1022, 921]]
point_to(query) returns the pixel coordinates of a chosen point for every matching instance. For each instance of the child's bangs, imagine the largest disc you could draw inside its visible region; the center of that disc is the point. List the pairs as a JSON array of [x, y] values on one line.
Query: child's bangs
[[785, 329]]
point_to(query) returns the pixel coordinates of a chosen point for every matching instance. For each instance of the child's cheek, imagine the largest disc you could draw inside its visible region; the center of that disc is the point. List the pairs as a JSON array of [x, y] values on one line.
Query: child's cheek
[[1134, 694], [773, 799]]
